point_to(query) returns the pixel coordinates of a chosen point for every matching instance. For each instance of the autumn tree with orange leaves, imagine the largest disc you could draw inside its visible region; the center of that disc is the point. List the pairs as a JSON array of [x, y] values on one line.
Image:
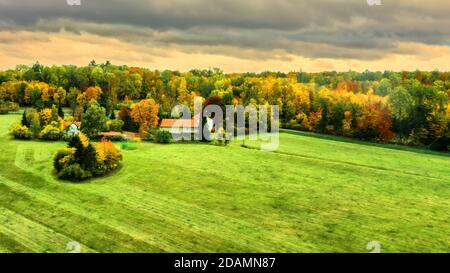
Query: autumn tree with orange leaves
[[146, 114], [93, 93]]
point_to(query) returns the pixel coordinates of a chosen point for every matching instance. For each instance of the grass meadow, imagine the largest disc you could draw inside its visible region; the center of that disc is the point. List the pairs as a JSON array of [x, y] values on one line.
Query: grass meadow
[[314, 194]]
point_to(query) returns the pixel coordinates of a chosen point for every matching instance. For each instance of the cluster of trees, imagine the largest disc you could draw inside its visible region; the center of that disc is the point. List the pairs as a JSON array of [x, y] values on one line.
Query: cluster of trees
[[141, 117], [406, 107], [6, 107], [46, 124], [83, 160]]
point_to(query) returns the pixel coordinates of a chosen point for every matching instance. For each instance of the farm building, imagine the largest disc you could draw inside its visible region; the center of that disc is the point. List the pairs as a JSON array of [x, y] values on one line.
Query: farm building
[[181, 126], [72, 128], [69, 123]]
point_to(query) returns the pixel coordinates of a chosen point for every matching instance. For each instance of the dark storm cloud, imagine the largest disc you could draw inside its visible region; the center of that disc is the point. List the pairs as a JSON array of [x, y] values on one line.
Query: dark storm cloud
[[316, 28]]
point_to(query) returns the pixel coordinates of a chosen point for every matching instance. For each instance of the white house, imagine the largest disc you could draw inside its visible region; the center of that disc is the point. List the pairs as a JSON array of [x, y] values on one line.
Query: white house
[[72, 128]]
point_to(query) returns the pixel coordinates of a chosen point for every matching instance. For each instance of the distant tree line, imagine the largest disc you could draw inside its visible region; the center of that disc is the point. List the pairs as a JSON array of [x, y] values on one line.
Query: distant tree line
[[410, 108]]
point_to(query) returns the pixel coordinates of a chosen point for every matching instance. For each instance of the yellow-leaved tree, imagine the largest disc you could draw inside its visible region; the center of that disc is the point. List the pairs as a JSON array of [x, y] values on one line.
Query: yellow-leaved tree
[[146, 114]]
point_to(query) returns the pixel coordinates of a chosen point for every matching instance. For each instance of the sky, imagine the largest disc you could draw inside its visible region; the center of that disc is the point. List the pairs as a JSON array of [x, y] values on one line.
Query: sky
[[234, 35]]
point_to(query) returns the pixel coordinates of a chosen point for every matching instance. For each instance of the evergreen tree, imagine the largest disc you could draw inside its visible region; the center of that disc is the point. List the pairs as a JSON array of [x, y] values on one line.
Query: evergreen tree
[[85, 156], [75, 142], [60, 111], [24, 119], [89, 158]]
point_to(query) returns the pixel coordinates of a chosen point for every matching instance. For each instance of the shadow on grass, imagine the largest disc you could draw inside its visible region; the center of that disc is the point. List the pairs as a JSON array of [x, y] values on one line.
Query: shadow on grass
[[90, 180]]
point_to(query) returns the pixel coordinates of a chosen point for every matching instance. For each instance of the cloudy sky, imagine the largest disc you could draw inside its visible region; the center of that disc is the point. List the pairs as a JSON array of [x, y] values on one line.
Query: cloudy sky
[[235, 35]]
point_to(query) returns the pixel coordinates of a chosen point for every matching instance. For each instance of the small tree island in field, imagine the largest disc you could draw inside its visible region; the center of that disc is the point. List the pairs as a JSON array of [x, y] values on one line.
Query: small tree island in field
[[82, 160]]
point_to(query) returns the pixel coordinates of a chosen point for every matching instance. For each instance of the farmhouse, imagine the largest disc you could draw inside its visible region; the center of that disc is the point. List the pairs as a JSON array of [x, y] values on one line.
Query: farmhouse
[[72, 128], [69, 123], [181, 126]]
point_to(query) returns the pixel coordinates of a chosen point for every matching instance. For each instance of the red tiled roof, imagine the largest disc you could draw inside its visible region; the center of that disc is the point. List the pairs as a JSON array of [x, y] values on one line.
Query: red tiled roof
[[68, 123], [180, 123], [168, 123]]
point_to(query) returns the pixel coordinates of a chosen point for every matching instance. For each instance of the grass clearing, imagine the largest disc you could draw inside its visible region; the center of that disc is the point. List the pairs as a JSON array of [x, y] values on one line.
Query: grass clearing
[[312, 195]]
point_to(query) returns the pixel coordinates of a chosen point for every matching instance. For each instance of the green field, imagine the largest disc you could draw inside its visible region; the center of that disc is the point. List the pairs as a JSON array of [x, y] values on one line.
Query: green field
[[312, 195]]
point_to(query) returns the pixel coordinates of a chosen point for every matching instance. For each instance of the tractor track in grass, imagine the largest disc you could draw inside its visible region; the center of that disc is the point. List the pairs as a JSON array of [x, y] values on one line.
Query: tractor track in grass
[[82, 216], [187, 218], [178, 213], [164, 198], [348, 163], [181, 213], [18, 226]]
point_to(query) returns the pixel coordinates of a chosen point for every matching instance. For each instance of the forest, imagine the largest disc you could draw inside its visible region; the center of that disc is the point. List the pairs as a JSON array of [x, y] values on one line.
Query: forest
[[407, 107]]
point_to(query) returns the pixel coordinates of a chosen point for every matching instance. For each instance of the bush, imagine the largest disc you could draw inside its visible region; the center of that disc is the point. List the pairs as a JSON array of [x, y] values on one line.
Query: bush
[[82, 160], [63, 158], [6, 107], [112, 136], [108, 157], [115, 125], [128, 146], [150, 135], [74, 172], [163, 136], [47, 115], [51, 132], [20, 132], [220, 142], [35, 123], [69, 119]]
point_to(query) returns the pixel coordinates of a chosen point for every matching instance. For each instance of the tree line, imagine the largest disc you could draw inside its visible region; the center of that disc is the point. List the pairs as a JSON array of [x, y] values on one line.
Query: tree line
[[407, 107]]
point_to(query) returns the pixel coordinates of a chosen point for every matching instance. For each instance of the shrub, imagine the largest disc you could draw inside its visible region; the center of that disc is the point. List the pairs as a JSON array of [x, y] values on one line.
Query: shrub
[[82, 160], [108, 157], [51, 132], [63, 158], [220, 142], [74, 172], [6, 107], [20, 132], [128, 146], [35, 123], [115, 125], [113, 136], [46, 116], [163, 136], [150, 135], [69, 119]]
